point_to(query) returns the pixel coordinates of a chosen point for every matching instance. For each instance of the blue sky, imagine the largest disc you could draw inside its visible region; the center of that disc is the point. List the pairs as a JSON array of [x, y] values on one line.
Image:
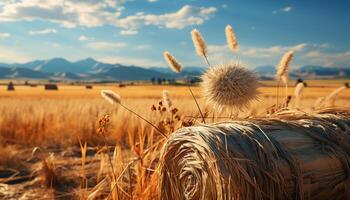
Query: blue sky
[[138, 31]]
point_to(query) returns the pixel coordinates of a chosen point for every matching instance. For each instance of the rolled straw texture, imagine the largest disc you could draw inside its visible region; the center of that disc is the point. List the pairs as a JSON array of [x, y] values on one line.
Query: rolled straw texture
[[289, 156]]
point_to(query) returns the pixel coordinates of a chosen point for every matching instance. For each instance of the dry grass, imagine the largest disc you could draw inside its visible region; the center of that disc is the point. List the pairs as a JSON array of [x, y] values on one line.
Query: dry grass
[[60, 122]]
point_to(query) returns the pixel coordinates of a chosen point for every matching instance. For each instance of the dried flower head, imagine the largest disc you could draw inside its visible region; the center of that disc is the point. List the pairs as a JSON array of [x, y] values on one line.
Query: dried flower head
[[231, 39], [282, 68], [199, 43], [229, 86], [166, 99], [172, 62], [153, 108], [111, 96]]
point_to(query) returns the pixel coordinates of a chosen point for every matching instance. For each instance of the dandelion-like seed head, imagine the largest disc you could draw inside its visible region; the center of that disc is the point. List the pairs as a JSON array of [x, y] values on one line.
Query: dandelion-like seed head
[[229, 86], [231, 39], [199, 43], [172, 62], [111, 96]]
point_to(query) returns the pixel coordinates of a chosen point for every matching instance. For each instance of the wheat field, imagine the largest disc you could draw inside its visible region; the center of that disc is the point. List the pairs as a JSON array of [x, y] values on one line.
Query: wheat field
[[52, 146]]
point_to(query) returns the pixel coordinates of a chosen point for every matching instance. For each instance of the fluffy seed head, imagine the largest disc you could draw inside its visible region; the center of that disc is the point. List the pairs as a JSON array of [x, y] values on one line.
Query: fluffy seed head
[[229, 86], [111, 96], [199, 43], [299, 90], [172, 62], [166, 99], [231, 39], [282, 68], [298, 93]]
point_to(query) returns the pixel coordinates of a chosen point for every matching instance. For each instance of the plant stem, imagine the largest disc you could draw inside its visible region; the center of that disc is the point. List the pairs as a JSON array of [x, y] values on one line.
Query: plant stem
[[144, 120], [278, 85], [195, 100], [109, 158], [206, 60]]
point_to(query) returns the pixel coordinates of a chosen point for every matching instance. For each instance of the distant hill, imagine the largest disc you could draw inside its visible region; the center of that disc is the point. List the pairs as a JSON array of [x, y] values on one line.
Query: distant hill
[[90, 69], [87, 69], [306, 72], [132, 73], [17, 73]]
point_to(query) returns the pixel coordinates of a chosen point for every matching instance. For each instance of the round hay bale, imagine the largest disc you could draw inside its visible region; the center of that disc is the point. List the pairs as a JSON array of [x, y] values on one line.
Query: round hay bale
[[291, 156], [10, 86]]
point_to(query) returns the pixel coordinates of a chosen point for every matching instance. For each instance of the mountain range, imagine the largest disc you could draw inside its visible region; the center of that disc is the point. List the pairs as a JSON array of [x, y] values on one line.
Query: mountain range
[[90, 69]]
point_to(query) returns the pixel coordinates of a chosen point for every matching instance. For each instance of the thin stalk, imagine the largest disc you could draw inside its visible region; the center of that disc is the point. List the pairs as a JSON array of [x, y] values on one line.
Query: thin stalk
[[286, 90], [195, 100], [278, 86], [109, 158], [206, 60], [144, 120]]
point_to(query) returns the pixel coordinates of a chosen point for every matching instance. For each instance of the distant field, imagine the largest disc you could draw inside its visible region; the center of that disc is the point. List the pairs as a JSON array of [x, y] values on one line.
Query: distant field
[[316, 88], [47, 115]]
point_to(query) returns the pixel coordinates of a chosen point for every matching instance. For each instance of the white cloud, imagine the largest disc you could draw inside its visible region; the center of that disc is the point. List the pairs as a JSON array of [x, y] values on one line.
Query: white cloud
[[94, 13], [68, 13], [83, 38], [152, 1], [143, 62], [5, 35], [143, 47], [106, 45], [258, 52], [285, 9], [42, 32], [304, 54], [128, 32], [186, 16], [329, 59]]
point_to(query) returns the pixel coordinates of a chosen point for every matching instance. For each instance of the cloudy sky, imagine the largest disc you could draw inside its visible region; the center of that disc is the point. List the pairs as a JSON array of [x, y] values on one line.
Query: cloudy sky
[[138, 31]]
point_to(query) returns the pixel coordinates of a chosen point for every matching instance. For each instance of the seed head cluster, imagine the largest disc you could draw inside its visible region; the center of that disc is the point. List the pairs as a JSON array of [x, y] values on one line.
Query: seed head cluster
[[229, 86]]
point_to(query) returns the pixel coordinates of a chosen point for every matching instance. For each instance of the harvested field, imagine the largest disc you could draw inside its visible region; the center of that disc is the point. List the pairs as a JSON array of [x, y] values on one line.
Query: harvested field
[[40, 141]]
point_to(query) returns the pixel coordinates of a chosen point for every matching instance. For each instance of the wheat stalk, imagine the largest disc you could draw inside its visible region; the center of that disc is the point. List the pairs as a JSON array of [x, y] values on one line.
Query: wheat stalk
[[200, 45], [298, 93], [172, 62], [282, 68], [282, 72], [231, 39], [111, 97]]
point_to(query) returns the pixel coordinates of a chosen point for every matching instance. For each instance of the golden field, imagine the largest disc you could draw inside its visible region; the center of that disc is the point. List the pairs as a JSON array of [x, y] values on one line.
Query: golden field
[[43, 133], [60, 116]]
